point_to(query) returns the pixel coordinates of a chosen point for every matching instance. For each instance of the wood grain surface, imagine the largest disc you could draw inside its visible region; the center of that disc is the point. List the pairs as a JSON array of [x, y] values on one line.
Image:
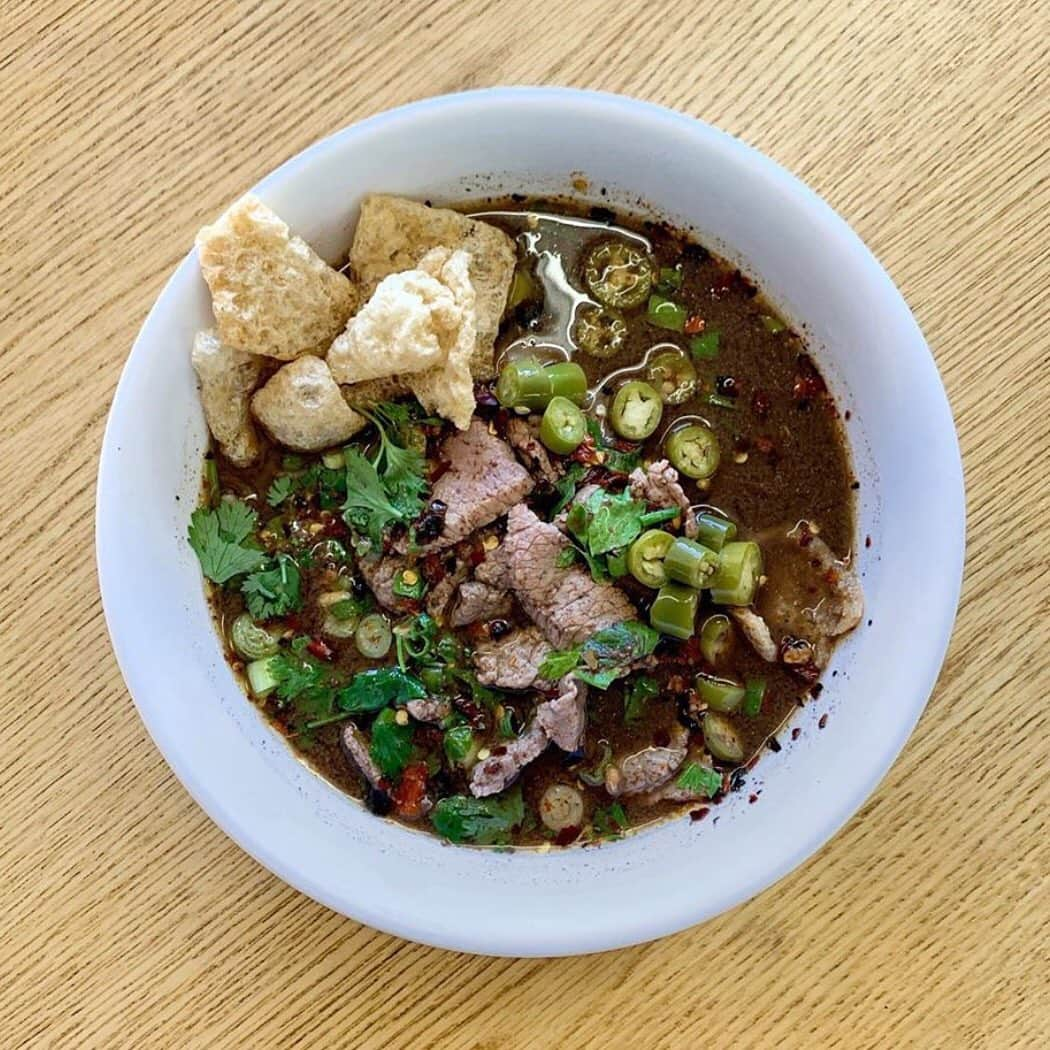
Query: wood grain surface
[[128, 919]]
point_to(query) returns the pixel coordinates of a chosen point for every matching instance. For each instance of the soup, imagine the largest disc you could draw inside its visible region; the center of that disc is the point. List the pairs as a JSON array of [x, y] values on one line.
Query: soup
[[529, 527]]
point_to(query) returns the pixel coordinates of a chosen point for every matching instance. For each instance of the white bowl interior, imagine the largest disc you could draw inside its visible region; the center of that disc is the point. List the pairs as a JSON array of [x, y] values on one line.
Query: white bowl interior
[[867, 343]]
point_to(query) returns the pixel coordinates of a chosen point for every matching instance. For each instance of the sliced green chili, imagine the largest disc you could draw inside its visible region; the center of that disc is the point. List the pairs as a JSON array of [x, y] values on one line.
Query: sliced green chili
[[645, 558], [713, 531], [720, 694], [563, 427], [736, 578], [694, 451], [674, 610], [636, 411]]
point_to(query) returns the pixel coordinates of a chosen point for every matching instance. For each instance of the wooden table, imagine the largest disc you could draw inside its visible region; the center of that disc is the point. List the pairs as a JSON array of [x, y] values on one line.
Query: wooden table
[[129, 919]]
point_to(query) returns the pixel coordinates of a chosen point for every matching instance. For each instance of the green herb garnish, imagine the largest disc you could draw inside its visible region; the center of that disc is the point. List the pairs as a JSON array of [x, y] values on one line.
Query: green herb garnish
[[391, 746], [376, 688], [273, 591], [637, 696], [610, 822], [484, 821], [702, 779], [607, 655], [218, 537]]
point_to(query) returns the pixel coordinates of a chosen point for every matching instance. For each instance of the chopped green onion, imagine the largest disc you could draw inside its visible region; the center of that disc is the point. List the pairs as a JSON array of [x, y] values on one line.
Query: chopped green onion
[[704, 347], [754, 694], [261, 677], [250, 640], [720, 402], [333, 460], [772, 324], [658, 517], [373, 636], [666, 313], [211, 482]]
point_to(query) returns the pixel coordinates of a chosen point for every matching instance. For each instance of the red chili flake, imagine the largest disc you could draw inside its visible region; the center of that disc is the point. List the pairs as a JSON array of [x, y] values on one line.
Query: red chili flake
[[470, 710], [409, 794], [808, 383], [499, 750], [823, 722], [765, 444], [761, 403], [752, 798], [796, 733], [694, 324], [676, 683], [867, 541], [816, 689], [586, 453], [320, 649], [699, 814]]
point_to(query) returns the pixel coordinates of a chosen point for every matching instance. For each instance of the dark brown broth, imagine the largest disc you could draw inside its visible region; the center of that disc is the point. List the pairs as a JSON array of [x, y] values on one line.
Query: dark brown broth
[[796, 467]]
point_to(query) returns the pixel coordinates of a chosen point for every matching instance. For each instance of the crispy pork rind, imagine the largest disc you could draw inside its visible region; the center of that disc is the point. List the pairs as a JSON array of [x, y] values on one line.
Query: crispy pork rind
[[271, 293], [394, 233], [303, 408], [227, 378]]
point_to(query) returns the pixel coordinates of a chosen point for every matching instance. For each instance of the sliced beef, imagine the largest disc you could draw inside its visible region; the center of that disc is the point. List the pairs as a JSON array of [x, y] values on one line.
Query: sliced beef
[[810, 593], [494, 570], [482, 482], [440, 595], [565, 717], [479, 602], [355, 747], [523, 437], [491, 775], [756, 631], [380, 574], [659, 486], [566, 603], [648, 769], [513, 661], [429, 710]]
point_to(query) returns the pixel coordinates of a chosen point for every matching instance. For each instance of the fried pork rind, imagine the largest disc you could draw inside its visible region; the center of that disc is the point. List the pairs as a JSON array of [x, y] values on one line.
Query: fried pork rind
[[271, 293], [394, 233], [303, 408], [227, 378]]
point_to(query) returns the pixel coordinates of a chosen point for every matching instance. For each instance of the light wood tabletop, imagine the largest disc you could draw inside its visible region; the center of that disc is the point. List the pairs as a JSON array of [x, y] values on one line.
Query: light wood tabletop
[[129, 919]]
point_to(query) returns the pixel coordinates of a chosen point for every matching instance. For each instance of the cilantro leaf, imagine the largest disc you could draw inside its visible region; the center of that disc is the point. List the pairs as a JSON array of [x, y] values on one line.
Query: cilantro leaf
[[368, 508], [391, 746], [376, 688], [565, 486], [702, 779], [615, 520], [614, 460], [283, 486], [559, 662], [273, 591], [485, 821], [303, 682], [402, 467], [217, 537], [610, 822], [636, 699]]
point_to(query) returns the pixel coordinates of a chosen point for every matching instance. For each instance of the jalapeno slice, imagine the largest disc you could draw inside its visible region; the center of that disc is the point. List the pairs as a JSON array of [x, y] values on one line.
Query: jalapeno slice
[[713, 531], [739, 570], [716, 638], [563, 426], [645, 557], [674, 610], [721, 738], [618, 274], [720, 694], [693, 451], [690, 563], [599, 331], [636, 411], [673, 375], [529, 384]]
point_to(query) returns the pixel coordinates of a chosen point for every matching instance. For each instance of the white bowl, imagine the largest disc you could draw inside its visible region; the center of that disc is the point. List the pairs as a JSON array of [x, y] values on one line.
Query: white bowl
[[660, 880]]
